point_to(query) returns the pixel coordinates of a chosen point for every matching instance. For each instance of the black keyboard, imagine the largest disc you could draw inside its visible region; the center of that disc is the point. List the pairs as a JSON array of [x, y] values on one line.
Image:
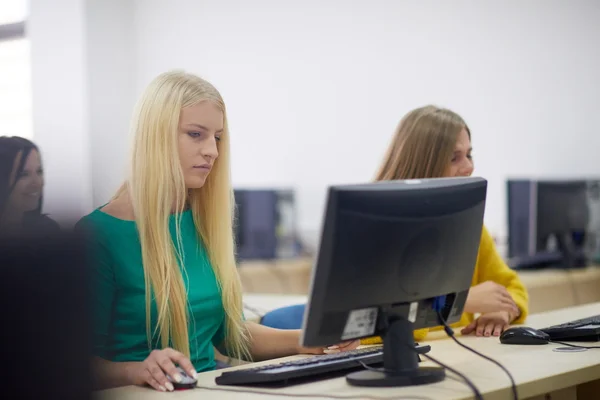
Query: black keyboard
[[581, 330], [308, 369]]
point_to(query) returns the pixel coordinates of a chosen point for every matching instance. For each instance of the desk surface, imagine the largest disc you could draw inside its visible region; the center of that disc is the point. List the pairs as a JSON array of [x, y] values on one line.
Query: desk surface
[[536, 369]]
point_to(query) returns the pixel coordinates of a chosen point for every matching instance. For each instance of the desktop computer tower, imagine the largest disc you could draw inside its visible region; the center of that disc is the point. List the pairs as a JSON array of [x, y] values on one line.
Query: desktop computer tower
[[265, 224], [553, 222]]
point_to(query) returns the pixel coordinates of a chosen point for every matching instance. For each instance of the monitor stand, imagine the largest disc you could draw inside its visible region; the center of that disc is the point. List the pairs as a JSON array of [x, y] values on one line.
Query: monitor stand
[[400, 361]]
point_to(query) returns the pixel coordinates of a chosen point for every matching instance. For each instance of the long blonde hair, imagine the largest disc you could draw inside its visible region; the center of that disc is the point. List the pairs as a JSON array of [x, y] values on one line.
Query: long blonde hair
[[422, 145], [155, 185]]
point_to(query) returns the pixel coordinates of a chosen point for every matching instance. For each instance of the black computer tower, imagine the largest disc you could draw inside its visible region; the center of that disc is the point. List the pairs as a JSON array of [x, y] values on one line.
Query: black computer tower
[[265, 224]]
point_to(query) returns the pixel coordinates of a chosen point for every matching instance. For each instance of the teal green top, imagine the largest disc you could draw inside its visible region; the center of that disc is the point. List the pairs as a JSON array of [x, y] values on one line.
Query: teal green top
[[119, 298]]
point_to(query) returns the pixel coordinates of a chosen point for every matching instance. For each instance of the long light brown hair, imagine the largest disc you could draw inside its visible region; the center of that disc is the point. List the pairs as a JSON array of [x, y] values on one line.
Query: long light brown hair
[[422, 145], [155, 184]]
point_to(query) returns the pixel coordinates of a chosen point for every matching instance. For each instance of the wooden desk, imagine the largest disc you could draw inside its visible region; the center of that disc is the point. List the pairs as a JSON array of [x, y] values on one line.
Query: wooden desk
[[276, 276], [552, 289], [537, 371], [548, 289], [586, 284]]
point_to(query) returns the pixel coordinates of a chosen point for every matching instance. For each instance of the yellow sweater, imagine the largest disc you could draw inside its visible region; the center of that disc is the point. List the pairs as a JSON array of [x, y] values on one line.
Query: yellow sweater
[[489, 267]]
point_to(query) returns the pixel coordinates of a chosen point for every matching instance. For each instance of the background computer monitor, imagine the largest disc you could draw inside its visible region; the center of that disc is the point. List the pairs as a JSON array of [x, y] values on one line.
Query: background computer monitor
[[550, 223], [265, 224], [391, 255]]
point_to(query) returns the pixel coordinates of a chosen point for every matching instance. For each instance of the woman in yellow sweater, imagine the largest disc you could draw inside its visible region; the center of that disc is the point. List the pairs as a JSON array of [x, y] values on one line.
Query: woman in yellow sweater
[[432, 142]]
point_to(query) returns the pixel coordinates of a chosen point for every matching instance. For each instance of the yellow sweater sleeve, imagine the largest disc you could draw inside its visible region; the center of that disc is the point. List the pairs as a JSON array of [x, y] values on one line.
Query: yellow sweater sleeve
[[491, 267]]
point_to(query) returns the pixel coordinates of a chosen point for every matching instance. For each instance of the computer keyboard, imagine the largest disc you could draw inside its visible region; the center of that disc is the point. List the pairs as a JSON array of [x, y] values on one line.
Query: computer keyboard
[[310, 368], [581, 330]]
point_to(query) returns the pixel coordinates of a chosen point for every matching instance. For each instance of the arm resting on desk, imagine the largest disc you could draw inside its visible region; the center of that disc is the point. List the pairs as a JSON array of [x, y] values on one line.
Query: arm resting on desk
[[491, 267], [268, 343]]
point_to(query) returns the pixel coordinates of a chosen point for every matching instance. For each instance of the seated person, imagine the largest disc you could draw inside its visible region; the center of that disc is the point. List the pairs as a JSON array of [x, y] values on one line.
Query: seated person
[[164, 274], [21, 189], [431, 142]]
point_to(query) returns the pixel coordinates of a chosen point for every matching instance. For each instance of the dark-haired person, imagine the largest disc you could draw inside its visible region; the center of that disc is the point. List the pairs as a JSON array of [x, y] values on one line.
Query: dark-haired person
[[21, 189]]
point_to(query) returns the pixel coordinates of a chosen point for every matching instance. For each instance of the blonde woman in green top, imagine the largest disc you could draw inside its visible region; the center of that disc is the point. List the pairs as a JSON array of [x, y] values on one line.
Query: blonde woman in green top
[[166, 283]]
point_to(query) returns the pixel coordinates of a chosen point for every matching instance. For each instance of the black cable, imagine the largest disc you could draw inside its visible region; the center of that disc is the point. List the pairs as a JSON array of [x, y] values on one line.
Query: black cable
[[308, 395], [369, 368], [469, 383], [450, 333], [575, 345]]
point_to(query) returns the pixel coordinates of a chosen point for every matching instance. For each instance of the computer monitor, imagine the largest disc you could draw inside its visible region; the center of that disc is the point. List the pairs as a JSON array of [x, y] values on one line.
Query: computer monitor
[[548, 222], [393, 254], [265, 224]]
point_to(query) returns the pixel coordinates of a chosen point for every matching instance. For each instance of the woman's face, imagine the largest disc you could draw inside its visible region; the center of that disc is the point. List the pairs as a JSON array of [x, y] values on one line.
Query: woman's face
[[28, 185], [462, 161], [201, 126]]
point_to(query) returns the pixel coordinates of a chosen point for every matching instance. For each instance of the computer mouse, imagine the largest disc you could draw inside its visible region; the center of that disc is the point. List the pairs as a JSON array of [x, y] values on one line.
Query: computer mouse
[[524, 335], [188, 382]]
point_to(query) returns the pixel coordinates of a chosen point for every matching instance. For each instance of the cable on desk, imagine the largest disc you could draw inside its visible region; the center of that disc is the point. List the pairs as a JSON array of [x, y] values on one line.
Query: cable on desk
[[369, 368], [312, 396], [466, 380], [469, 382], [450, 333]]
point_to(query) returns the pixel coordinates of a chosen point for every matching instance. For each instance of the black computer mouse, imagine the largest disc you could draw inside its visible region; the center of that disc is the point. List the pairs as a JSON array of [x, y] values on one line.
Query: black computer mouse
[[187, 382], [524, 335]]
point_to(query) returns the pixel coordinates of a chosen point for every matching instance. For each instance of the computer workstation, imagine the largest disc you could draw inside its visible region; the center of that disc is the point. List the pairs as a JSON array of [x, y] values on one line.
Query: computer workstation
[[548, 371], [41, 268], [393, 257], [555, 223]]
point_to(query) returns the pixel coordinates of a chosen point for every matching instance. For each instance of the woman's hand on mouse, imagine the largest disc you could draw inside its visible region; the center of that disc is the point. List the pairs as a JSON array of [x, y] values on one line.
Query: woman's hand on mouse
[[488, 297], [490, 324], [153, 370]]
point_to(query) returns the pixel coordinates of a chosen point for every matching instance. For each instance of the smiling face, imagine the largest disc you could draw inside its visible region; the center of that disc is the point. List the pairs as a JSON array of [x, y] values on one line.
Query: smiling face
[[28, 183], [200, 129], [462, 160], [430, 142]]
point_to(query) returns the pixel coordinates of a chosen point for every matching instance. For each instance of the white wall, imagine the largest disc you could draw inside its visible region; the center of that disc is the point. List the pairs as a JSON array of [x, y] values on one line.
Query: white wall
[[60, 104], [111, 61], [83, 63], [315, 88]]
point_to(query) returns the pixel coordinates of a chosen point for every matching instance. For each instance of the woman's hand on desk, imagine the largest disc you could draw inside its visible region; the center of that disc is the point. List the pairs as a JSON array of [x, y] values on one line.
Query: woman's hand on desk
[[153, 370], [346, 346], [489, 297], [490, 324]]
